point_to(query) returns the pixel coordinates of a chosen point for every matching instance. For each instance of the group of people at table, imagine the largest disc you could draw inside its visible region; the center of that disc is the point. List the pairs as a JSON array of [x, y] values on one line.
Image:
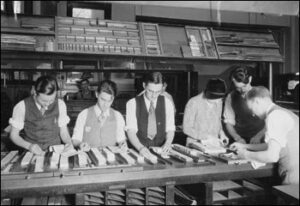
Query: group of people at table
[[259, 129]]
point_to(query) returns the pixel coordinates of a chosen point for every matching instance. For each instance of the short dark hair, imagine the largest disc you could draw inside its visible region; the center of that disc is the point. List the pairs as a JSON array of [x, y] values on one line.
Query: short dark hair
[[46, 85], [154, 77], [215, 88], [259, 91], [108, 87], [84, 80], [241, 73]]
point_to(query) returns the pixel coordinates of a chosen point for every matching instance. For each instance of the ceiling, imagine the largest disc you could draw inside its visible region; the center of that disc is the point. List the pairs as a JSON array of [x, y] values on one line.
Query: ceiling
[[267, 7]]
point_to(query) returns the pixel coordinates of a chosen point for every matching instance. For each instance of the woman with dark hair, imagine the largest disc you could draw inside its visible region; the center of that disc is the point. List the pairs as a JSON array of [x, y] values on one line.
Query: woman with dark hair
[[43, 117], [240, 123], [100, 125]]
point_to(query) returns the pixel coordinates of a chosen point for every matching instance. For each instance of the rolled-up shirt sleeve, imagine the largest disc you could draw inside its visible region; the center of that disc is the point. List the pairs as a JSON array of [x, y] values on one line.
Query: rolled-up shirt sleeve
[[189, 117], [229, 115], [18, 116], [131, 121], [170, 124], [79, 125], [63, 118], [120, 127]]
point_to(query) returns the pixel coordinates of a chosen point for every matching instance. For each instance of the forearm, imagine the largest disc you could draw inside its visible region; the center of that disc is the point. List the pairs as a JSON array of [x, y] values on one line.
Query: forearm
[[65, 136], [169, 137], [134, 140], [257, 147], [232, 132], [262, 156], [261, 133], [19, 141]]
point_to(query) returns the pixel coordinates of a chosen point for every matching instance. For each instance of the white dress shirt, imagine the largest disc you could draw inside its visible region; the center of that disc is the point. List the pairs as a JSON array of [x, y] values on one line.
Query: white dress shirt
[[278, 125], [131, 121], [18, 117], [81, 119]]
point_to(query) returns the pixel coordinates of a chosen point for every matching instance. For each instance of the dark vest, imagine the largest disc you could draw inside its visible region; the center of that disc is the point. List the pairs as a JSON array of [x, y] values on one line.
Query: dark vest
[[289, 155], [97, 136], [41, 129], [142, 122], [246, 125]]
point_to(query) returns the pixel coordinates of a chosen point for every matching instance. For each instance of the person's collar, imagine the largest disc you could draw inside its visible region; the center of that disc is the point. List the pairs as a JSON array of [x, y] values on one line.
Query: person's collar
[[38, 105], [147, 101], [270, 107], [99, 112]]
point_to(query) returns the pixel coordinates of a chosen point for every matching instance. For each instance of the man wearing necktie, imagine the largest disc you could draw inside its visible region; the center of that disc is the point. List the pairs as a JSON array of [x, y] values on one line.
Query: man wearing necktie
[[43, 118], [100, 125], [150, 117]]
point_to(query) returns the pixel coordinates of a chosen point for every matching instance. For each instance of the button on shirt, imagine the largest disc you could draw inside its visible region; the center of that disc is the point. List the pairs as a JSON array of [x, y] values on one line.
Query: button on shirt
[[18, 118], [202, 119], [131, 121], [81, 119]]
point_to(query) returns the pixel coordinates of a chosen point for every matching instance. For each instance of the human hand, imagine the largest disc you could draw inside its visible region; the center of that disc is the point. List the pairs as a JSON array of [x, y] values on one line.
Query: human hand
[[236, 146], [224, 140], [145, 152], [35, 149], [84, 146], [255, 140], [242, 153], [241, 140], [166, 148], [123, 146]]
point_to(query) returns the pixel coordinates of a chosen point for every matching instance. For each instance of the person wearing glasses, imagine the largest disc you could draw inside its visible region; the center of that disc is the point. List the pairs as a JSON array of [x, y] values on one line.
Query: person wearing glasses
[[150, 117], [241, 124], [40, 120], [100, 125], [202, 114]]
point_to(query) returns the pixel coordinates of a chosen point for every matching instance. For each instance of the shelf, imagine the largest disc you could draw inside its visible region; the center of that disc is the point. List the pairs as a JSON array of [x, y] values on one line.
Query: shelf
[[248, 45], [26, 31], [19, 54]]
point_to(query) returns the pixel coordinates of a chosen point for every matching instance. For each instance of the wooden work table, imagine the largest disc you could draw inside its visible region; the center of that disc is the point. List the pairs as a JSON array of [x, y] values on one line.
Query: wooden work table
[[136, 177]]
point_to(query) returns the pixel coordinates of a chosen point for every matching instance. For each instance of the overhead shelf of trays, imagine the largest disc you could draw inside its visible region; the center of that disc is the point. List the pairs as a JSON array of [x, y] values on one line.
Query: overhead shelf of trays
[[245, 45]]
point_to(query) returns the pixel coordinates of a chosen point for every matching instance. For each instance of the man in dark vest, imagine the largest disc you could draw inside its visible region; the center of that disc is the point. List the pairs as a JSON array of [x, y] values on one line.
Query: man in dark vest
[[100, 125], [241, 124], [150, 117], [43, 117], [282, 136]]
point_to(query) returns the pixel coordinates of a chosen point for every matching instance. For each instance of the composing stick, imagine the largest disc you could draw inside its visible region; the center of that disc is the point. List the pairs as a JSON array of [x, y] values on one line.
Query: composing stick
[[180, 156], [64, 162], [82, 160], [164, 160], [109, 155], [26, 159], [140, 159], [6, 160], [54, 160], [127, 158], [96, 157], [39, 163]]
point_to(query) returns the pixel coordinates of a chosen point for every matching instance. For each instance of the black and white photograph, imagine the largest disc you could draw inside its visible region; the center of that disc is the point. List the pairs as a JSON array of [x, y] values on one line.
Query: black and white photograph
[[149, 102]]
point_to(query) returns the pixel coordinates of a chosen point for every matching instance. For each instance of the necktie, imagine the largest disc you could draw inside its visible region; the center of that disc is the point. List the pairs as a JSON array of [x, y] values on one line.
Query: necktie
[[101, 119], [152, 130], [43, 110]]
